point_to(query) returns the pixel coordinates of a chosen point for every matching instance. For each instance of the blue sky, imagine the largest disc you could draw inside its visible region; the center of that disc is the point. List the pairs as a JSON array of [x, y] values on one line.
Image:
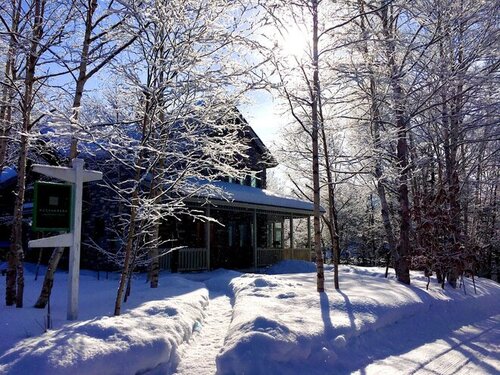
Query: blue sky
[[263, 117]]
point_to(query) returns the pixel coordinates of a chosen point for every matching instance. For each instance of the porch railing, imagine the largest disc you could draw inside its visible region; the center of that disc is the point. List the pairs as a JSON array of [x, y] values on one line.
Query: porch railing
[[190, 259], [268, 256], [297, 254], [195, 259]]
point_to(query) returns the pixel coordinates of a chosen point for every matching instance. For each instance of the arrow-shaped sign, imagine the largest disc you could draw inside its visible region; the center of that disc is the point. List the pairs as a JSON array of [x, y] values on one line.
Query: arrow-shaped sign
[[62, 240], [66, 174]]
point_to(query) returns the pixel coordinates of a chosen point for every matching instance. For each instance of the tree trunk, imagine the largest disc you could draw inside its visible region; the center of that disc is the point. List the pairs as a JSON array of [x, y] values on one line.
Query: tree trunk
[[15, 279], [7, 90], [379, 176], [129, 256], [128, 289], [82, 73], [48, 281], [5, 117], [332, 215], [77, 99], [154, 272], [375, 122], [156, 193], [128, 253], [452, 167], [315, 157], [403, 268], [403, 246]]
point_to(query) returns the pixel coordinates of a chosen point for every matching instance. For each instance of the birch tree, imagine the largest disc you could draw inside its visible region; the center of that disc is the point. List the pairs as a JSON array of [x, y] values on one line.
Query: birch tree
[[46, 24], [184, 84], [10, 19], [102, 42]]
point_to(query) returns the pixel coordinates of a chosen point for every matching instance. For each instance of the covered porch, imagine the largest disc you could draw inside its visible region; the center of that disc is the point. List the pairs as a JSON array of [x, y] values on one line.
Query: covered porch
[[254, 229]]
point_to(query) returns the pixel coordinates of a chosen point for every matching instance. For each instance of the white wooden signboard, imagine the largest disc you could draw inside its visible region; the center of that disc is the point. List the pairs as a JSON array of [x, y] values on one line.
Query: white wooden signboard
[[77, 176]]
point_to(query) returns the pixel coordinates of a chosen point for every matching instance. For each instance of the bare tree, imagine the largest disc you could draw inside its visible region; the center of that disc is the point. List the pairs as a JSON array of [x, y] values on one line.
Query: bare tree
[[40, 36], [306, 95], [184, 116], [101, 44]]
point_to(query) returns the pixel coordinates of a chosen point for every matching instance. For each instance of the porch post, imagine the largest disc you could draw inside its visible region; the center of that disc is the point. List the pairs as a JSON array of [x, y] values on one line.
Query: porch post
[[207, 237], [282, 236], [309, 235], [291, 236], [255, 237]]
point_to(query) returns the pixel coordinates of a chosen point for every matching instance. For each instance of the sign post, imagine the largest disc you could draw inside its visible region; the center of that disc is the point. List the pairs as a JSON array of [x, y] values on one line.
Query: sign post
[[77, 176]]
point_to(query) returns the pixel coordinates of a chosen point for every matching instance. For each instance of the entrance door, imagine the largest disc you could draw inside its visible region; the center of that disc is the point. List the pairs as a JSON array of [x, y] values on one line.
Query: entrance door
[[231, 244]]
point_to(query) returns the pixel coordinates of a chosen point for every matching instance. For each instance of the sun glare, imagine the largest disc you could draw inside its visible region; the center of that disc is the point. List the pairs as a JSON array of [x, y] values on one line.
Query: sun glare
[[295, 42]]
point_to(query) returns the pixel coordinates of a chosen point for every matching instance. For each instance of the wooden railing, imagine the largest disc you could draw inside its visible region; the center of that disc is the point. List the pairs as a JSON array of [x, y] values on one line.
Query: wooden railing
[[196, 259], [190, 259], [265, 257], [297, 254]]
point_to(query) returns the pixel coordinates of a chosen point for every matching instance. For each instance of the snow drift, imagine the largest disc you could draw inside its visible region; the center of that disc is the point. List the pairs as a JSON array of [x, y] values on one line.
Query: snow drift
[[140, 339], [282, 326]]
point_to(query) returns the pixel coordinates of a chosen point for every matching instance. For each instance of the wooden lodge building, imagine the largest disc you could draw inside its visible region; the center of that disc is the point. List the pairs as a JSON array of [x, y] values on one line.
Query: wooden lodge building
[[252, 221], [249, 232]]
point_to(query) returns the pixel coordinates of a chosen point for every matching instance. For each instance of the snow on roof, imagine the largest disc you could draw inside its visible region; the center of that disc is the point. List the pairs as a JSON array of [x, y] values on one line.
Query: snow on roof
[[236, 193]]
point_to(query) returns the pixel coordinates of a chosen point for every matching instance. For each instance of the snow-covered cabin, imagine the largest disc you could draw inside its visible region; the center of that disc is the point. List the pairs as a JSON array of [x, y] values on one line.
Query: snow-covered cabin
[[250, 221]]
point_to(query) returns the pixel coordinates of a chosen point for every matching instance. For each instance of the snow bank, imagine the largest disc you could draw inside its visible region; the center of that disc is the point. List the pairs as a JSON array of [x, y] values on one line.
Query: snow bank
[[140, 339], [282, 326], [217, 281]]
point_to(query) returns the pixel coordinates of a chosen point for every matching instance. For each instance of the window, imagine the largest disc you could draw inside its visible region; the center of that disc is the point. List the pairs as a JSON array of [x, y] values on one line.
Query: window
[[278, 235], [230, 233], [253, 181]]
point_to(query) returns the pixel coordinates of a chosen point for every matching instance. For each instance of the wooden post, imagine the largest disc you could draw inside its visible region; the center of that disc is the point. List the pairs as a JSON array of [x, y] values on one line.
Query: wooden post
[[282, 236], [207, 237], [273, 234], [309, 236], [291, 236], [255, 236]]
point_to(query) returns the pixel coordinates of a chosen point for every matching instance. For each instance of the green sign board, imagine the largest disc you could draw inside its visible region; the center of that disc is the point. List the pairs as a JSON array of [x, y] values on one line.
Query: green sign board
[[52, 207]]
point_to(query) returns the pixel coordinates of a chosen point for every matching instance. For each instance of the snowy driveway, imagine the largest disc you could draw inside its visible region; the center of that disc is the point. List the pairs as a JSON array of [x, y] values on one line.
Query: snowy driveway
[[471, 349]]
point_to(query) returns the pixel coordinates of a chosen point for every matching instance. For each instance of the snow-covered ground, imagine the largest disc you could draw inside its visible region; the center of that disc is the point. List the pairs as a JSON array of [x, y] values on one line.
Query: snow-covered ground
[[226, 322]]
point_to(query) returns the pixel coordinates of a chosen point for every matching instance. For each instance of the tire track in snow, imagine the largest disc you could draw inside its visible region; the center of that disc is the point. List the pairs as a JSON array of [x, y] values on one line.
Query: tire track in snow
[[471, 349], [198, 355]]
